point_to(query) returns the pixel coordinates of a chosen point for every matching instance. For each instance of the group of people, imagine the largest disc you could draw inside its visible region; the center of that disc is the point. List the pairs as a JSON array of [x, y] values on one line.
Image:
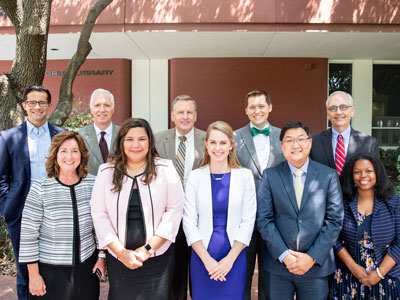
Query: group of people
[[318, 211]]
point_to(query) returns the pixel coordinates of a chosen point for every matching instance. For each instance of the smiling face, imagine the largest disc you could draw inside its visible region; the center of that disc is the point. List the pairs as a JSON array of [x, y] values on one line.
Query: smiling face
[[258, 110], [102, 110], [69, 156], [218, 146], [364, 175], [184, 116], [136, 146], [340, 119], [37, 115], [296, 146]]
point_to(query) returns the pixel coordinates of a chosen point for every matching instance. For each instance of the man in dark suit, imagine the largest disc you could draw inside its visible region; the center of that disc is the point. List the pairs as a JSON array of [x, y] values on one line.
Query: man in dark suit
[[257, 147], [23, 151], [99, 137], [184, 145], [335, 146], [299, 215]]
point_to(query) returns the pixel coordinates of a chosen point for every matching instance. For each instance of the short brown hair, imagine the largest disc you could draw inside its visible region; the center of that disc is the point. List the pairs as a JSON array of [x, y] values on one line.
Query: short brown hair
[[256, 93], [52, 167], [226, 129]]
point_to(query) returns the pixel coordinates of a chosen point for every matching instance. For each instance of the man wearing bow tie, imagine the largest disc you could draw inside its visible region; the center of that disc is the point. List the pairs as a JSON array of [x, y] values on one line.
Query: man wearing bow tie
[[258, 148]]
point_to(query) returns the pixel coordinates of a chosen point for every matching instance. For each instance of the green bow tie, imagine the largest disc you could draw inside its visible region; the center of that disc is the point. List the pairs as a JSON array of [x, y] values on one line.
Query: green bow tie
[[256, 131]]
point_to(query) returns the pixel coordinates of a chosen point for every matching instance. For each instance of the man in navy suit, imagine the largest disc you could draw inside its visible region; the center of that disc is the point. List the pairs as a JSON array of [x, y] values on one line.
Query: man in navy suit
[[23, 150], [299, 216]]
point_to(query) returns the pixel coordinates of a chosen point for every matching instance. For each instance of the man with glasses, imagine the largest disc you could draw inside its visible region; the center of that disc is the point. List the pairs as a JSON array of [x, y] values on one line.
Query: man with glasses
[[336, 145], [299, 215], [23, 151]]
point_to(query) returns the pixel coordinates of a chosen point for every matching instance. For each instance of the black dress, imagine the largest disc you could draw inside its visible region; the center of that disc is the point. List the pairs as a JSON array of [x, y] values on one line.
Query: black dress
[[153, 279]]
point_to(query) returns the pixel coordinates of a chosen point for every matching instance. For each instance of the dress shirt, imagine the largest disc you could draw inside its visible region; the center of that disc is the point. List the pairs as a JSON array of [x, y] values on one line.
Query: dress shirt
[[189, 157], [107, 136], [39, 143], [293, 169], [346, 137], [262, 145]]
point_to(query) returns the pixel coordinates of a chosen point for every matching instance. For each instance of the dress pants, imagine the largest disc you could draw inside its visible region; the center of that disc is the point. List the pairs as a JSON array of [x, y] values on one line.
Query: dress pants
[[22, 276], [180, 274], [257, 246], [284, 287]]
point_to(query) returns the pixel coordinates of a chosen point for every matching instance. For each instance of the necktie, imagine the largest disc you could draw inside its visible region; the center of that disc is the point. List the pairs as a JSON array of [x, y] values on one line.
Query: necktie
[[256, 131], [180, 158], [340, 156], [298, 189], [103, 147]]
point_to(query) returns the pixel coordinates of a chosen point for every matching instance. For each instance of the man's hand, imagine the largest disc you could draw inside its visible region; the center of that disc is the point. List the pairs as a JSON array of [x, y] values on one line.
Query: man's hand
[[303, 263], [289, 260]]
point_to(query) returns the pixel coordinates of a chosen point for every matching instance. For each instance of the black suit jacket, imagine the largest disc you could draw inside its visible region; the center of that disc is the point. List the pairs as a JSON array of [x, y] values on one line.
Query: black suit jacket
[[322, 151], [15, 170]]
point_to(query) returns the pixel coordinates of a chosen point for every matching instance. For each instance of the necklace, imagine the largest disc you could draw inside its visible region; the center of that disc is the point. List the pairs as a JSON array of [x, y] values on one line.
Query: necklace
[[136, 172], [218, 178]]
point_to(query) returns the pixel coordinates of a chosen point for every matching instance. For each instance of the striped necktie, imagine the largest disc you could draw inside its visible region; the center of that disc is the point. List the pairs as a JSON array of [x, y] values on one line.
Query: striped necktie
[[180, 158], [340, 154]]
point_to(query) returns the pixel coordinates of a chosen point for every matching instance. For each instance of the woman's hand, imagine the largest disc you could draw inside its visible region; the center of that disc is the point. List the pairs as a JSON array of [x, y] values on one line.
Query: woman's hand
[[101, 265], [222, 269], [37, 287], [142, 254], [371, 279], [130, 259], [358, 272], [210, 265]]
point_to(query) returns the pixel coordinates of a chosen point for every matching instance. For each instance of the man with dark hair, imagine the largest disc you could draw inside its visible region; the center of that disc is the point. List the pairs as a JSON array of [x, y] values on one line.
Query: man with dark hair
[[299, 215], [184, 145], [335, 146], [257, 147], [23, 150]]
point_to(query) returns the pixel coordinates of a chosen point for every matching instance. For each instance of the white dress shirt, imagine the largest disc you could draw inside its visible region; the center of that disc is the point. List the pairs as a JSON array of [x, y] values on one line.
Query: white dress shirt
[[189, 157], [262, 145], [107, 136]]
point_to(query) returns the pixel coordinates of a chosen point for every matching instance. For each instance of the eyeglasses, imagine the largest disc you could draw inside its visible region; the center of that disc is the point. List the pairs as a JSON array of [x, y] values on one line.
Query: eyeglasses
[[342, 107], [300, 141], [34, 103]]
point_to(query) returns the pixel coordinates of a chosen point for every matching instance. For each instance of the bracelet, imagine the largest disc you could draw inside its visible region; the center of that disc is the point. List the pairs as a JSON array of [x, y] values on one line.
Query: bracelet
[[102, 256], [379, 273]]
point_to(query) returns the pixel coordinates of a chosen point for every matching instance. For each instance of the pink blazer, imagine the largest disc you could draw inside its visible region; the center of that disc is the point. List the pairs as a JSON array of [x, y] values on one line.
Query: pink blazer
[[162, 202]]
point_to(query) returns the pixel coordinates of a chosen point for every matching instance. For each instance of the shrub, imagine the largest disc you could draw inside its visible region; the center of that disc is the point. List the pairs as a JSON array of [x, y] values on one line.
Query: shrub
[[79, 117], [6, 251]]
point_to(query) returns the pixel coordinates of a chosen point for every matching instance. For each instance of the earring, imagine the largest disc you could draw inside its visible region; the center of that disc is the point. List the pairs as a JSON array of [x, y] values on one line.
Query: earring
[[230, 152]]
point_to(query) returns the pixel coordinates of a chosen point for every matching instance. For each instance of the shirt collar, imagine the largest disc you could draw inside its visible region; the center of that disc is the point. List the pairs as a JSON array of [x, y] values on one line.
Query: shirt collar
[[30, 127], [251, 126], [108, 130], [345, 133], [188, 136], [304, 167]]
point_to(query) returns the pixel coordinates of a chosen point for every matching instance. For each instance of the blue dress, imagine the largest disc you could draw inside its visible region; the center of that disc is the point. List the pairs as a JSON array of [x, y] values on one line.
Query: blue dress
[[202, 286], [345, 286]]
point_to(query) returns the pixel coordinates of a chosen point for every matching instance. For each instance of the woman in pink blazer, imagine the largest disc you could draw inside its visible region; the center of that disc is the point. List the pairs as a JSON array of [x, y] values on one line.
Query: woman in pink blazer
[[137, 206]]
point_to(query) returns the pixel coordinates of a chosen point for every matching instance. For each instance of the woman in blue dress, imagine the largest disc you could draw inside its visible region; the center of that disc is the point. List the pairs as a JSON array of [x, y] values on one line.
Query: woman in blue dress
[[218, 221], [368, 247]]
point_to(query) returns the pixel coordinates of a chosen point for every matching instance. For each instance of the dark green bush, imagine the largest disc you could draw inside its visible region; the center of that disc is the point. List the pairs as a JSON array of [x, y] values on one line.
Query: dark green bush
[[390, 159], [6, 251]]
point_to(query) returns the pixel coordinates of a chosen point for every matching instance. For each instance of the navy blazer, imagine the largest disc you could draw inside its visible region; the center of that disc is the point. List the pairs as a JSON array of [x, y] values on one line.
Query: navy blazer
[[15, 170], [385, 230], [319, 219]]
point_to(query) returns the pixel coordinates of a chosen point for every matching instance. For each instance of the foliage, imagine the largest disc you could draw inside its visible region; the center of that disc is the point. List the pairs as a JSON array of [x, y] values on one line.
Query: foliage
[[390, 159], [5, 242], [79, 117]]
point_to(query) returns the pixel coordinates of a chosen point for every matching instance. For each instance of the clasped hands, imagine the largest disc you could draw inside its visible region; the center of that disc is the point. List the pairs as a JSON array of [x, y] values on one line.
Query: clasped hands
[[367, 278], [298, 263], [219, 270], [134, 259]]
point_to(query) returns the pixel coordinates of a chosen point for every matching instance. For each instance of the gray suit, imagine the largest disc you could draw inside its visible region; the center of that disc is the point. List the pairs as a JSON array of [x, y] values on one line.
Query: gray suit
[[165, 145], [246, 152], [88, 134]]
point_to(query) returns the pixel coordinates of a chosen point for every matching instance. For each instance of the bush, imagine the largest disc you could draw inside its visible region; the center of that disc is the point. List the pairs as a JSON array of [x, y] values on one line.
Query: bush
[[391, 161], [79, 117], [6, 251]]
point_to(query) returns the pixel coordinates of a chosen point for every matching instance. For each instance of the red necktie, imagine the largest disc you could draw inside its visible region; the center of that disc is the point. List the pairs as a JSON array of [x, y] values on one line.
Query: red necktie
[[340, 155], [103, 147]]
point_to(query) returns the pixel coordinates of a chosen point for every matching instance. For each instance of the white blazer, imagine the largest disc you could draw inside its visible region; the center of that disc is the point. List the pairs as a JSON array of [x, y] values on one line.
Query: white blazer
[[198, 214]]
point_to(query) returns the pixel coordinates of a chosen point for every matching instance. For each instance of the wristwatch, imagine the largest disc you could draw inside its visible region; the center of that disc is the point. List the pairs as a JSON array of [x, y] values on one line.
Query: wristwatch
[[149, 249]]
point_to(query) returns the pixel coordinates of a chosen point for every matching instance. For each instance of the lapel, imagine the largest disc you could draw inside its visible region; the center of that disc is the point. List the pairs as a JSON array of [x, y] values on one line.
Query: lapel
[[327, 145], [248, 141], [206, 194], [274, 145], [311, 181], [92, 143], [353, 207], [353, 141], [169, 145], [114, 134], [198, 148], [23, 143], [287, 181]]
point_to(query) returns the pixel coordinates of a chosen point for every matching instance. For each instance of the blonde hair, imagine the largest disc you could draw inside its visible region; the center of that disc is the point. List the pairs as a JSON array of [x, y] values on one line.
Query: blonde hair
[[226, 129]]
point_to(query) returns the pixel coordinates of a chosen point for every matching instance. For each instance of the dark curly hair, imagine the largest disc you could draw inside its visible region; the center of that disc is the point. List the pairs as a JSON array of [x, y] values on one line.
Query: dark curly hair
[[119, 158], [383, 187]]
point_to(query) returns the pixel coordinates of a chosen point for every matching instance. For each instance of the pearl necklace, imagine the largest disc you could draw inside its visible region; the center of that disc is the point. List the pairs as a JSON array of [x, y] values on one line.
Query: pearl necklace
[[134, 173]]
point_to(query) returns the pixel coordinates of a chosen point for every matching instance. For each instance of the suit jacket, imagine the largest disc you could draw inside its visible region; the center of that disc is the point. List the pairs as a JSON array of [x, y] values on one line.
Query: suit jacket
[[198, 211], [319, 219], [246, 151], [15, 170], [165, 145], [88, 134], [161, 203], [322, 151], [384, 230]]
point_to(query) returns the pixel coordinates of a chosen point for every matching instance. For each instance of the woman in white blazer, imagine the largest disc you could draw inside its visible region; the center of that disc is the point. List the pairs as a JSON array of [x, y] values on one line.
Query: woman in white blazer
[[219, 215]]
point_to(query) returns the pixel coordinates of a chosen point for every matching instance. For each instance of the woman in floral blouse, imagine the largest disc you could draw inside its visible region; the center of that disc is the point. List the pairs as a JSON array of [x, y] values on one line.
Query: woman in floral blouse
[[368, 248]]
